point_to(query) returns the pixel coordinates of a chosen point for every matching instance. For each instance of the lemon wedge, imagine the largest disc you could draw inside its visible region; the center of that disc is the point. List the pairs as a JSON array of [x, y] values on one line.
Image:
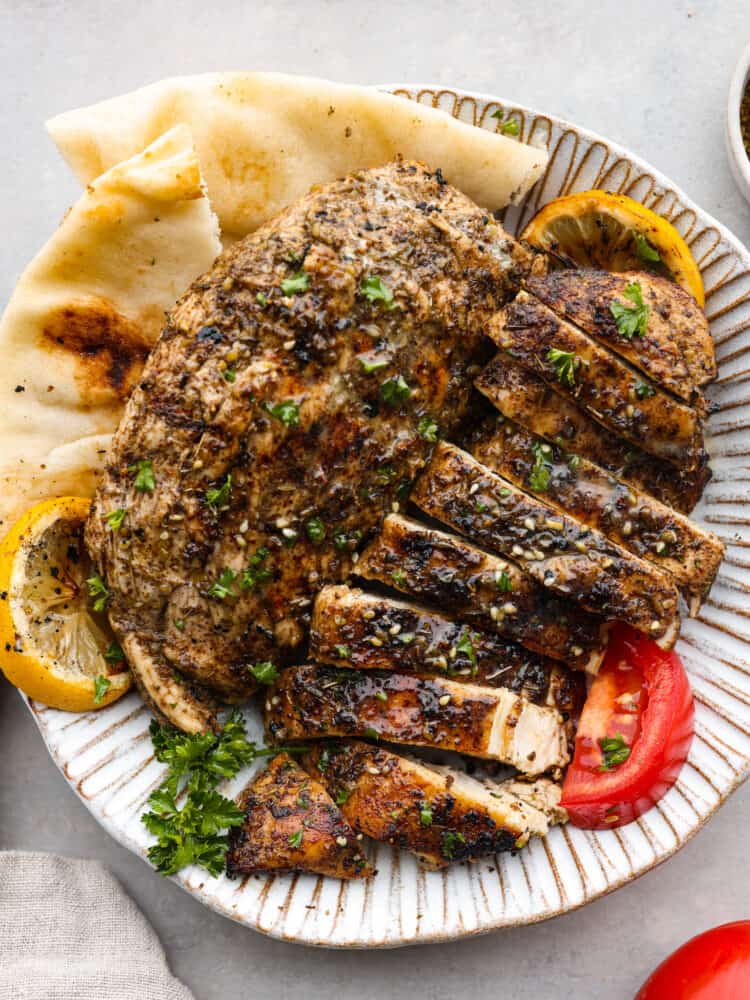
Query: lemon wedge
[[55, 642], [613, 232]]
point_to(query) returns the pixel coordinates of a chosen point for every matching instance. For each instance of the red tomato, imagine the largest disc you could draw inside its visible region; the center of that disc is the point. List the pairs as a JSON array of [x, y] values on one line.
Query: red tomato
[[713, 966], [634, 734]]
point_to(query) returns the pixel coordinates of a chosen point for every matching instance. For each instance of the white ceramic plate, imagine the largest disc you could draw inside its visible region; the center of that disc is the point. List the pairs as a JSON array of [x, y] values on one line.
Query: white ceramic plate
[[106, 756]]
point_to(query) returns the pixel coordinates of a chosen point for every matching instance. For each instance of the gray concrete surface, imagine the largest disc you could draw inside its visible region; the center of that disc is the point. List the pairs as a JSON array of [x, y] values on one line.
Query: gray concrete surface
[[651, 75]]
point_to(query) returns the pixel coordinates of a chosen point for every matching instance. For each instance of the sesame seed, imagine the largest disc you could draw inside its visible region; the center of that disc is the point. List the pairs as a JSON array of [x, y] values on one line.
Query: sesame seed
[[452, 653], [373, 770], [441, 662], [395, 629], [529, 524], [288, 533], [243, 527], [576, 650], [355, 558], [395, 506], [275, 700], [228, 284], [374, 641], [445, 700], [660, 547], [669, 536], [240, 541], [554, 525], [289, 345], [164, 536], [629, 410], [501, 564], [494, 613], [606, 562], [581, 547], [342, 841], [517, 550], [509, 608], [473, 489], [627, 528], [197, 464], [282, 522], [655, 625], [368, 615]]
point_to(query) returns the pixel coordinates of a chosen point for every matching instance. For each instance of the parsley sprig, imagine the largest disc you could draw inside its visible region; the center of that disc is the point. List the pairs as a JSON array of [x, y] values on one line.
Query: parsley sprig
[[540, 471], [615, 751], [631, 319], [195, 831], [564, 364]]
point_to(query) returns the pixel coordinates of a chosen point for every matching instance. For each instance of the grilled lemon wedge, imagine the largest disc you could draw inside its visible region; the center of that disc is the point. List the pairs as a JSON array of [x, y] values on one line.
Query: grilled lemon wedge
[[613, 232], [55, 642]]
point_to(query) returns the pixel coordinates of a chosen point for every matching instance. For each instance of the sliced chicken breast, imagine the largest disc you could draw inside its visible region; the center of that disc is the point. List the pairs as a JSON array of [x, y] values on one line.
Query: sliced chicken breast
[[639, 523], [292, 824], [352, 628], [559, 552], [480, 589], [675, 351], [437, 813], [313, 701], [610, 390]]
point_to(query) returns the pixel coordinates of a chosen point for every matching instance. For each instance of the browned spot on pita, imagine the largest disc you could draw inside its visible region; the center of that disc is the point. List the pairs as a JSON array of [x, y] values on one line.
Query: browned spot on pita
[[109, 349]]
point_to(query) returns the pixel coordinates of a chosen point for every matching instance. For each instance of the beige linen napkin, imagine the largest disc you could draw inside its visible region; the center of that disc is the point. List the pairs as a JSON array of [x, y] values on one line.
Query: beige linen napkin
[[68, 931]]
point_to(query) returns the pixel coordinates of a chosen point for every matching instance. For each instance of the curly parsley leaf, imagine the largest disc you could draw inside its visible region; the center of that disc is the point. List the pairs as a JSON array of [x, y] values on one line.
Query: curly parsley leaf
[[508, 126], [645, 251], [395, 390], [287, 412], [297, 284], [98, 590], [540, 472], [564, 364], [101, 686], [428, 429], [643, 390], [632, 319], [145, 481], [219, 495], [115, 518], [615, 751], [264, 673], [223, 586], [375, 290]]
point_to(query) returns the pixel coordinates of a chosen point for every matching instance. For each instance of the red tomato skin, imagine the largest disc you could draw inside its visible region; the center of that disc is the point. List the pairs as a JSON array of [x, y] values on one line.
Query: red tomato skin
[[603, 801], [714, 965]]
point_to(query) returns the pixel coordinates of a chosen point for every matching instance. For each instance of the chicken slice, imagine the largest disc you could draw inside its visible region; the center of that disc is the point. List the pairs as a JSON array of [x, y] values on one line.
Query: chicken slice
[[491, 593], [527, 399], [559, 552], [575, 486], [605, 386], [437, 813], [314, 701], [292, 824], [351, 628], [676, 350]]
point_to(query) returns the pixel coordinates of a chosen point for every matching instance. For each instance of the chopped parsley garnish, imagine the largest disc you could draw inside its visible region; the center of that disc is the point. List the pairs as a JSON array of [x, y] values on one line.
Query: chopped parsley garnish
[[299, 283], [574, 461], [643, 390], [115, 518], [508, 126], [287, 412], [450, 842], [428, 429], [179, 624], [425, 814], [370, 734], [342, 651], [395, 390], [114, 653], [98, 589], [539, 475], [406, 637], [504, 583], [381, 696], [632, 319], [371, 365], [481, 507], [223, 586], [196, 832], [219, 496], [399, 577], [341, 796], [564, 365], [256, 572], [316, 531], [615, 751], [262, 299], [466, 646], [230, 374], [340, 540], [144, 476], [101, 686], [264, 673], [375, 289], [324, 760], [646, 252]]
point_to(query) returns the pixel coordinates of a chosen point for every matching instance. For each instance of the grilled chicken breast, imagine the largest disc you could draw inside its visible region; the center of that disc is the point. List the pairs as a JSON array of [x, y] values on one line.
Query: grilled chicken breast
[[676, 351], [559, 552], [316, 701], [636, 521], [351, 628], [439, 814], [485, 591], [609, 389], [529, 401], [292, 824], [282, 411]]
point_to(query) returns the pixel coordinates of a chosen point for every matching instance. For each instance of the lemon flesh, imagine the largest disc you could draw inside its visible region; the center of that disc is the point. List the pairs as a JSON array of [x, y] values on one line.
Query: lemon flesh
[[53, 642]]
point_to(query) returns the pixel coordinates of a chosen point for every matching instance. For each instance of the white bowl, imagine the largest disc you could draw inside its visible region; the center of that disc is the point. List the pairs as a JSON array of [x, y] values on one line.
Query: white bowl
[[739, 160]]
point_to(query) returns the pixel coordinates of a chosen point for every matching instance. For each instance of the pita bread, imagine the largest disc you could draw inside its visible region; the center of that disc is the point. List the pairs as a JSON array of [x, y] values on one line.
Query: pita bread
[[85, 313], [263, 139]]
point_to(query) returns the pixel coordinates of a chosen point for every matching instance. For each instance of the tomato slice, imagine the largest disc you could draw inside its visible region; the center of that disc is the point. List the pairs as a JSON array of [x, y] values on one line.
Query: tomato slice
[[634, 734], [714, 965]]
